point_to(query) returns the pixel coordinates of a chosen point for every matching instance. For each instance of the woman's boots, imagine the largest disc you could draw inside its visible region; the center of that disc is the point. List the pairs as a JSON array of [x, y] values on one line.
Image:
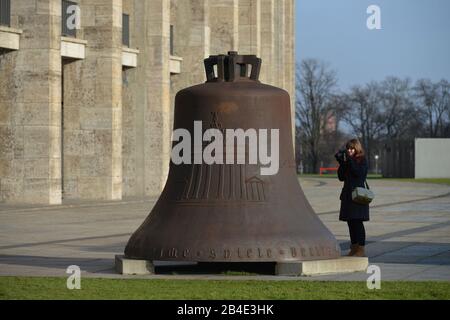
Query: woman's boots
[[356, 251], [359, 251], [353, 249]]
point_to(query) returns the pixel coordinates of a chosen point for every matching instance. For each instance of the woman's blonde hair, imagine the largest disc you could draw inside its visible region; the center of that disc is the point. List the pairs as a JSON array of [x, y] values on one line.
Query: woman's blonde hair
[[355, 144]]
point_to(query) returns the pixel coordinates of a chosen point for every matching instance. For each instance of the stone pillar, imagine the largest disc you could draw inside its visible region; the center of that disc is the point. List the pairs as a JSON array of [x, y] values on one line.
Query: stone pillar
[[250, 27], [267, 41], [151, 88], [190, 20], [290, 56], [224, 25], [132, 182], [280, 44], [191, 41], [30, 106], [92, 145]]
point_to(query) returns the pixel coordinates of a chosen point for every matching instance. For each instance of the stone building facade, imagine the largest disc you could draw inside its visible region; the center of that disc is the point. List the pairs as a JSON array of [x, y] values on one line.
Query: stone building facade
[[88, 114]]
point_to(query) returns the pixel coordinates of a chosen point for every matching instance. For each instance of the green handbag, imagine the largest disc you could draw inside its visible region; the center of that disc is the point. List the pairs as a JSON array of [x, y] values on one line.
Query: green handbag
[[363, 195]]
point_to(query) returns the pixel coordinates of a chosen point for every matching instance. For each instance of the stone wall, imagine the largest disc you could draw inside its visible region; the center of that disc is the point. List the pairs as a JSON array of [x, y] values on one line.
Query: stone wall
[[147, 110], [131, 110], [250, 27], [224, 26], [427, 164], [117, 122], [30, 104], [92, 143]]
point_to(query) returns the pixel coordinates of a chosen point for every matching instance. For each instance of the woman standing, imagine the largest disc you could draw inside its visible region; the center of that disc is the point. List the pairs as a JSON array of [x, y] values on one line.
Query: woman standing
[[353, 171]]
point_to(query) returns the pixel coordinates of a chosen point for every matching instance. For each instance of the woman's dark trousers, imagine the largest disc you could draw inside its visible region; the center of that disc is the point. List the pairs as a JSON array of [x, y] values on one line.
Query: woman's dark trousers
[[357, 232]]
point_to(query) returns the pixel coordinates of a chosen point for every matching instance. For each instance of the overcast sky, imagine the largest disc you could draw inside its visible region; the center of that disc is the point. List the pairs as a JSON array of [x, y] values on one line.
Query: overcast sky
[[414, 40]]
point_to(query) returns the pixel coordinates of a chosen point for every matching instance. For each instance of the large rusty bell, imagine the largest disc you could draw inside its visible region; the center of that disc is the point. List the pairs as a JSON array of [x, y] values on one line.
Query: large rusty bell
[[231, 212]]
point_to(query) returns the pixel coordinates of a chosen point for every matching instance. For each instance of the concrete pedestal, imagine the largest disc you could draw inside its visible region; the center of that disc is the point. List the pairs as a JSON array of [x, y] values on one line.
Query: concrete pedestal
[[321, 267], [295, 268], [133, 266]]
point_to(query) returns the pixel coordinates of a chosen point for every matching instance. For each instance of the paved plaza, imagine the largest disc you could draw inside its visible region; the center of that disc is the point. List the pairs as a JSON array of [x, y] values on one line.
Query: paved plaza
[[408, 235]]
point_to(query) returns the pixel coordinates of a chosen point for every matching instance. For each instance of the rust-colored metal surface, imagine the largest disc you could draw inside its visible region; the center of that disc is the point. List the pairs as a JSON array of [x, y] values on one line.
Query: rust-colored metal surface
[[230, 212]]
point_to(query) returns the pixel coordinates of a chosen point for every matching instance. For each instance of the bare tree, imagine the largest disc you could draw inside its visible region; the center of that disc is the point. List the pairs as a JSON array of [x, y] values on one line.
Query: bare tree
[[375, 113], [434, 101], [314, 92], [442, 106], [362, 114], [398, 112]]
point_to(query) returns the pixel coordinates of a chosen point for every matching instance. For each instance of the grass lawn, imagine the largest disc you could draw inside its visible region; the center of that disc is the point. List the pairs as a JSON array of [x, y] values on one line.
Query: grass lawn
[[55, 288], [378, 176], [334, 176], [424, 180]]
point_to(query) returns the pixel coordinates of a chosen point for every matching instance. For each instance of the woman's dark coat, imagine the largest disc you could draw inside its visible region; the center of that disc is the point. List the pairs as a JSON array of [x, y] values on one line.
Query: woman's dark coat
[[353, 173]]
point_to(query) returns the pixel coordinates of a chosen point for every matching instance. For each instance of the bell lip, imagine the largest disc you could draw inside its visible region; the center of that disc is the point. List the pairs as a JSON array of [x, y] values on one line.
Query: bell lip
[[243, 260], [280, 254]]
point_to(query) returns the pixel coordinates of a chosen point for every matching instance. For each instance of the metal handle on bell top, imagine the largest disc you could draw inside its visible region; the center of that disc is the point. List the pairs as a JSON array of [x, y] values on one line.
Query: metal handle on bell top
[[232, 67]]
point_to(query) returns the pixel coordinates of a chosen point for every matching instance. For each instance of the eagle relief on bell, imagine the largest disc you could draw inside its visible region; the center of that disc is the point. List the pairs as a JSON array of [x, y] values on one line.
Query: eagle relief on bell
[[232, 193]]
